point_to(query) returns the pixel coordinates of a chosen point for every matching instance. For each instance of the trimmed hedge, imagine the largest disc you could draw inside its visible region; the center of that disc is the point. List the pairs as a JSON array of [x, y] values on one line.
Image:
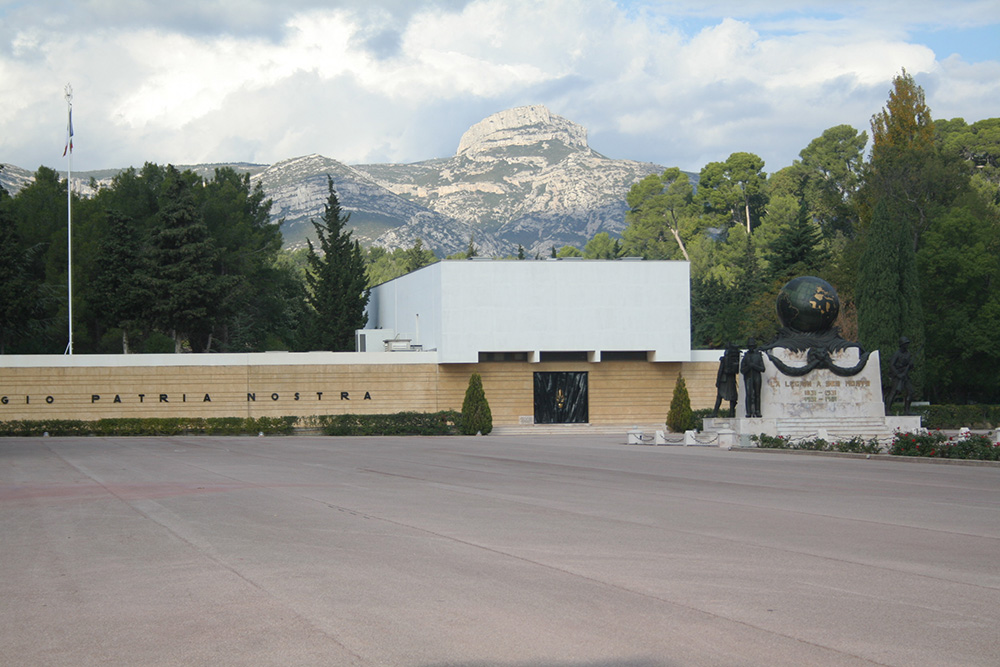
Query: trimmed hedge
[[400, 423], [958, 416], [150, 426]]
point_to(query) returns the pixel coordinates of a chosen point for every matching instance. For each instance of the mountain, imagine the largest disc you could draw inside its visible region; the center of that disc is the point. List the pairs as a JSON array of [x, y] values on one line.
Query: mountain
[[298, 188], [523, 176]]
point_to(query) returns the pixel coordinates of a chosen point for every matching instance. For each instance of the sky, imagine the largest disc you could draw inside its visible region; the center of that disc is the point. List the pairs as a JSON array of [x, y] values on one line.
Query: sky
[[675, 83]]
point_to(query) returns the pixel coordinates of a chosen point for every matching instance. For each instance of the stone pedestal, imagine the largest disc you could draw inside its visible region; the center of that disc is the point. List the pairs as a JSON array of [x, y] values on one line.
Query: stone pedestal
[[820, 393], [819, 404]]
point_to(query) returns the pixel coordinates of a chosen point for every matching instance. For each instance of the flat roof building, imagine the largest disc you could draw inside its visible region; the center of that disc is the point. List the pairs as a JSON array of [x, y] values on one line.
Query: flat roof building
[[470, 311], [555, 341]]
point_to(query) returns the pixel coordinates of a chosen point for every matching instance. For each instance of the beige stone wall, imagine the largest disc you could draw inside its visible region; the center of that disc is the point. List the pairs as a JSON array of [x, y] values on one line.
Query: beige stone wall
[[621, 392]]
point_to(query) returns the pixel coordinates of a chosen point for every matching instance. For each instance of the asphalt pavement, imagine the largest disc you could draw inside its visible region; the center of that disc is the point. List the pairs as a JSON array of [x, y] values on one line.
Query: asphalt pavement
[[473, 551]]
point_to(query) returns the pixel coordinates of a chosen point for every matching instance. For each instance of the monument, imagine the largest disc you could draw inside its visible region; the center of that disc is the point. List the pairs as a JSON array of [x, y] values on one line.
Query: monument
[[810, 381]]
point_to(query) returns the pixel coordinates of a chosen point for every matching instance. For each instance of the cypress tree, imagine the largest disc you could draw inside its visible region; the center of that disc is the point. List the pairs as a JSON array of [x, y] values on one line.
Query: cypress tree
[[680, 418], [888, 292], [476, 415], [336, 281]]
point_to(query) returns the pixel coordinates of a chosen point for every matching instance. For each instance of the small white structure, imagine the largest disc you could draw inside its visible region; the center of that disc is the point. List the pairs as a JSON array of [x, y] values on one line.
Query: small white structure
[[480, 310]]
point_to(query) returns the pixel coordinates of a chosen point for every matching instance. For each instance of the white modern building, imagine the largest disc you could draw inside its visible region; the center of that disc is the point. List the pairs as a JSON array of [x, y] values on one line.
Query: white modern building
[[551, 310], [555, 341]]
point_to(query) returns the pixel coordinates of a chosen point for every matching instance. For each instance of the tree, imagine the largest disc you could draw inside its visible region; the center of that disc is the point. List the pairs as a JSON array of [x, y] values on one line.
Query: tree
[[569, 251], [382, 266], [336, 286], [17, 290], [602, 246], [118, 287], [476, 416], [906, 165], [262, 307], [734, 191], [798, 249], [661, 215], [888, 293], [181, 277], [680, 418], [959, 263], [830, 170]]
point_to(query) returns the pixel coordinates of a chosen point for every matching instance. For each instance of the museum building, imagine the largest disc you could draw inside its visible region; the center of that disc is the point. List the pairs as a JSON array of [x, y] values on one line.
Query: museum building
[[556, 341]]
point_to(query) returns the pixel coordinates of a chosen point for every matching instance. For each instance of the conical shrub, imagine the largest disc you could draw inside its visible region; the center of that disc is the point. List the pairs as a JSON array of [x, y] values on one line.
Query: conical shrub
[[680, 418], [476, 415]]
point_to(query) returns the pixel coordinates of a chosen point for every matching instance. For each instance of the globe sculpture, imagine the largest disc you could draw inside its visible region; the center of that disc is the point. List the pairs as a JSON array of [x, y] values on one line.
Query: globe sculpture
[[807, 307], [808, 304]]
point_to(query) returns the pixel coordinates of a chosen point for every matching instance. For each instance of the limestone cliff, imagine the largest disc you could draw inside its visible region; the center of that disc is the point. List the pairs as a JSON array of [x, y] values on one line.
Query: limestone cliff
[[523, 176]]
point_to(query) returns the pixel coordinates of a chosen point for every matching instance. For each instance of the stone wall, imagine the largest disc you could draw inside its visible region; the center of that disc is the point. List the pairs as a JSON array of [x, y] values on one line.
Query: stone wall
[[621, 392]]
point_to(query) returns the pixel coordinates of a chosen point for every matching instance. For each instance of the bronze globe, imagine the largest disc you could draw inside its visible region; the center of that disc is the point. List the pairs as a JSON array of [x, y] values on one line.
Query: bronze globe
[[808, 304]]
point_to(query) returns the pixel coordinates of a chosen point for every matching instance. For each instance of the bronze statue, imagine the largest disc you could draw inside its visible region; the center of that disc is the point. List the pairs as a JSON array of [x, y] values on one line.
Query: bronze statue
[[725, 380], [899, 376], [751, 367]]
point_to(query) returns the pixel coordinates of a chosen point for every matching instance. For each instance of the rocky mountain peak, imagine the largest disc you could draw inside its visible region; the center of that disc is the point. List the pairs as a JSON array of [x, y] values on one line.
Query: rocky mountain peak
[[521, 126]]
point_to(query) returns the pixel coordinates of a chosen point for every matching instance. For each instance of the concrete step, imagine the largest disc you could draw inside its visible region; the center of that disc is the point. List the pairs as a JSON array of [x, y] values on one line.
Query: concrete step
[[866, 427], [577, 429]]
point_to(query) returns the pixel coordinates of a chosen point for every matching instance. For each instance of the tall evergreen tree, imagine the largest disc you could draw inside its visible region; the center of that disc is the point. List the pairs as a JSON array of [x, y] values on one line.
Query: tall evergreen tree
[[336, 282], [888, 290], [798, 248], [906, 165], [17, 290], [118, 288], [182, 279]]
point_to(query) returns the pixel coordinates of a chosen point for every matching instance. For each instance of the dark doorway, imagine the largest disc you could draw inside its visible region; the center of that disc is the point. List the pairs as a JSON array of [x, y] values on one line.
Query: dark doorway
[[561, 398]]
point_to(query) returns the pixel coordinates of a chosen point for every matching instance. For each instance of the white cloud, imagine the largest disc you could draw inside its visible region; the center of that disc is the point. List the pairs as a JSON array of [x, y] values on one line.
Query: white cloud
[[401, 81]]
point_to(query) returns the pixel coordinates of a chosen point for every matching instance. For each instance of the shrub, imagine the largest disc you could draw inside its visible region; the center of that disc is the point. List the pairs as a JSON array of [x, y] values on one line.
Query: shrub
[[938, 445], [400, 423], [151, 426], [680, 418], [855, 445], [476, 415], [957, 416]]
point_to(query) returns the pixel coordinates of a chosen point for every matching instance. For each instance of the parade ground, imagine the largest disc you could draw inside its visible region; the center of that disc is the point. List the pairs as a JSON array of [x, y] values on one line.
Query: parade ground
[[517, 551]]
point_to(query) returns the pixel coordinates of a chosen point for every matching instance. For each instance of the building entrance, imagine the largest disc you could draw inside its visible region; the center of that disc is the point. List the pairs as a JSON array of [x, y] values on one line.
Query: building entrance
[[561, 398]]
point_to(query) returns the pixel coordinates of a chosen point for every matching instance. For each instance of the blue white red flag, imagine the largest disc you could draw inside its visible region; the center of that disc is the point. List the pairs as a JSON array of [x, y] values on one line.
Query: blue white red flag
[[69, 134]]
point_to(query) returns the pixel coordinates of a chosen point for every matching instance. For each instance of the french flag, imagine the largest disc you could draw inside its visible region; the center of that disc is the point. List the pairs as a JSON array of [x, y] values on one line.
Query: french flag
[[69, 134]]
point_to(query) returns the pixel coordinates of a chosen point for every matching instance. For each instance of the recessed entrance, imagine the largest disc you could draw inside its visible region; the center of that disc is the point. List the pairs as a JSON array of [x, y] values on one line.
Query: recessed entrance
[[561, 398]]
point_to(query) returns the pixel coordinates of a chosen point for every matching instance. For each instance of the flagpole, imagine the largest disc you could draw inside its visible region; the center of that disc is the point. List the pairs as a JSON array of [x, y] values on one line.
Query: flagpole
[[69, 210]]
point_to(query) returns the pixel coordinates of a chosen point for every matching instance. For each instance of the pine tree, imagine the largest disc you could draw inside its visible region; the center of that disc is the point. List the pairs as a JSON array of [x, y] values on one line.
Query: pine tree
[[336, 282], [680, 418], [476, 415], [798, 249]]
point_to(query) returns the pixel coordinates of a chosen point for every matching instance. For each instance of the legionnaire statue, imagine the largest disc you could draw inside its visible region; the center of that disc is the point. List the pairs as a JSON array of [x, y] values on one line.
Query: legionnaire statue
[[725, 380], [899, 376], [751, 367]]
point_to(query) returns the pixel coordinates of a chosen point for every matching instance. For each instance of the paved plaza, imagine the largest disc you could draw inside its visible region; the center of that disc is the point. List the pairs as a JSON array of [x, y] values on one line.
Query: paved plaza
[[500, 550]]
